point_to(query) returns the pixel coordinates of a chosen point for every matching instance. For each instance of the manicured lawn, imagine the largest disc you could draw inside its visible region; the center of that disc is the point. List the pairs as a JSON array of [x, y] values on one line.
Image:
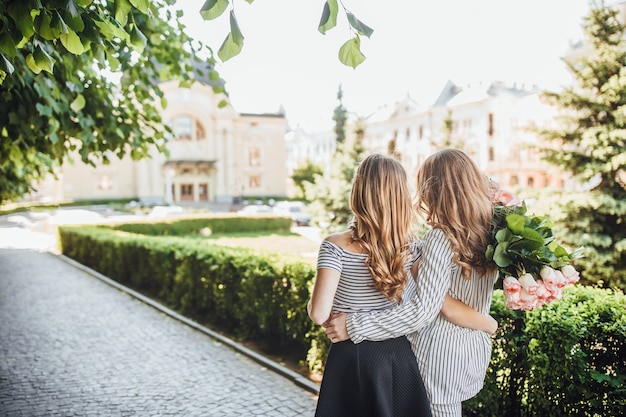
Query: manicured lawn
[[283, 243]]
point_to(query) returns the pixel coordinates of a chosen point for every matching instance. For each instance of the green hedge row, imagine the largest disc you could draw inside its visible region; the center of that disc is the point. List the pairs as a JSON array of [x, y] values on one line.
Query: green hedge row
[[566, 359]]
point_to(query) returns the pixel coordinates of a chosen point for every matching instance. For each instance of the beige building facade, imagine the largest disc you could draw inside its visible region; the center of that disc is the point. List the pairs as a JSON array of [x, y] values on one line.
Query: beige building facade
[[493, 122], [216, 155]]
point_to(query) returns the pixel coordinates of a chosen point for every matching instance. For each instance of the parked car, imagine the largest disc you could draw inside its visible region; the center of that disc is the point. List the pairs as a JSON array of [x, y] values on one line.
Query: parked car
[[255, 209], [294, 209]]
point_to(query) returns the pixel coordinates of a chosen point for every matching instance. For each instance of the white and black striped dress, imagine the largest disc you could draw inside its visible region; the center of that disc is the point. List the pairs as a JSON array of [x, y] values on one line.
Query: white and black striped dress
[[377, 379], [453, 360]]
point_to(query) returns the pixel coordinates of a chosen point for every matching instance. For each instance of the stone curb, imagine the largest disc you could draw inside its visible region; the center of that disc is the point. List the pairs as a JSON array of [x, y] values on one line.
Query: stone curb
[[296, 378]]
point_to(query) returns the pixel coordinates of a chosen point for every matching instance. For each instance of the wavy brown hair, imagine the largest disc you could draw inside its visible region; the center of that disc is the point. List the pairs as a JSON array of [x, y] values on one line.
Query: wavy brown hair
[[454, 196], [384, 218]]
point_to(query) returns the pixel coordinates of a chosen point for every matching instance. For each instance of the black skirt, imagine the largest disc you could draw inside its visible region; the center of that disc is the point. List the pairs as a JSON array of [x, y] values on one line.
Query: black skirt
[[372, 379]]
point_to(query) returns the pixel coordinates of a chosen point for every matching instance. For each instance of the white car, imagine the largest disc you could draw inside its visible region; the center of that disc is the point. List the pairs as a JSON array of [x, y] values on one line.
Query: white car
[[294, 209], [255, 209]]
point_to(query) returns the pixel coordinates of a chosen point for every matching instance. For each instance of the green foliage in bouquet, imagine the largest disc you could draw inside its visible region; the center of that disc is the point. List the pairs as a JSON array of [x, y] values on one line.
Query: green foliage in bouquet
[[522, 243]]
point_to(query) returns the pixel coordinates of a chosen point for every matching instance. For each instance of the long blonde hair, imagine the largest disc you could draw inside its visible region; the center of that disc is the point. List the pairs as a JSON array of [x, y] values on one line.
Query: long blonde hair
[[384, 218], [454, 196]]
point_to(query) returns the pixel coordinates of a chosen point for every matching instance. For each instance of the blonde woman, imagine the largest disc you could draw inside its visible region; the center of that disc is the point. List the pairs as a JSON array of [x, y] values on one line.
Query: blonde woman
[[367, 268], [454, 197]]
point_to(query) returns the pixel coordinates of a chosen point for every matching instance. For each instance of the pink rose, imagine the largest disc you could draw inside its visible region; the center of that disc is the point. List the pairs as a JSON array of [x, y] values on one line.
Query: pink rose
[[570, 273], [512, 300], [525, 297], [528, 283], [506, 198], [542, 292], [548, 275], [511, 285], [561, 281]]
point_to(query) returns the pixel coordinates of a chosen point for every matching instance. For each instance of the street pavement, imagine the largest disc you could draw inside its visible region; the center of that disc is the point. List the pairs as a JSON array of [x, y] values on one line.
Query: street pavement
[[73, 343]]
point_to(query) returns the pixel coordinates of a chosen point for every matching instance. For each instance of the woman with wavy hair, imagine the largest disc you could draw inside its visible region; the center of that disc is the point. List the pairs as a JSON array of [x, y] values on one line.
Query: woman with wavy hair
[[454, 198], [368, 268]]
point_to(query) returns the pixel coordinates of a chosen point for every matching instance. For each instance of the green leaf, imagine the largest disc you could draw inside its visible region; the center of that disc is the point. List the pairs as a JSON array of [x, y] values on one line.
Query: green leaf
[[500, 256], [44, 29], [350, 53], [329, 16], [222, 104], [5, 65], [228, 49], [515, 223], [122, 10], [57, 23], [359, 26], [78, 104], [531, 235], [43, 60], [7, 45], [504, 235], [74, 22], [32, 64], [559, 251], [234, 29], [72, 8], [72, 42], [137, 39], [43, 110], [142, 5], [213, 9], [214, 75], [233, 43], [489, 252]]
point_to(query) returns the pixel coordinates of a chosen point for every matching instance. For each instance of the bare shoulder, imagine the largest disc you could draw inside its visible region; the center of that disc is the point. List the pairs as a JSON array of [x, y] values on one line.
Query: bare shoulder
[[344, 241], [340, 238]]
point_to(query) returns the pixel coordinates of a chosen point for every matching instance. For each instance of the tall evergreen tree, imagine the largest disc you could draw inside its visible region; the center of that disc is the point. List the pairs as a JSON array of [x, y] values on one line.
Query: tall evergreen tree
[[590, 143], [340, 117], [330, 194]]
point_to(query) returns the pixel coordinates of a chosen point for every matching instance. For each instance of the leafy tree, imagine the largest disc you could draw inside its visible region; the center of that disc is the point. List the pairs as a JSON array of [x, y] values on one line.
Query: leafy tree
[[591, 144], [305, 174], [349, 53], [55, 96]]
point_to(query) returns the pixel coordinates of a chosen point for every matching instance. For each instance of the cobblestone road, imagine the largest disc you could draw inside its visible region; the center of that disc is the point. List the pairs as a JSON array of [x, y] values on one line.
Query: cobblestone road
[[71, 345]]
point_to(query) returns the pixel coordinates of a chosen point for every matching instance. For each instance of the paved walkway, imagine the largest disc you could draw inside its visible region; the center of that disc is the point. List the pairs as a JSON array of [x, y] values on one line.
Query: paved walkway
[[73, 345]]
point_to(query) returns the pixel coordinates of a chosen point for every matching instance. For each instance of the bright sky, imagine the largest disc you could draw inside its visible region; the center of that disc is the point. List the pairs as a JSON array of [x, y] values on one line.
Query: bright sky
[[416, 47]]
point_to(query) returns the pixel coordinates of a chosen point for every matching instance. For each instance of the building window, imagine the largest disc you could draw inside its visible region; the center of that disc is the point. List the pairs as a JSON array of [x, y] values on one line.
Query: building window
[[255, 181], [254, 157], [182, 128], [421, 131], [530, 182], [199, 130], [490, 128], [492, 154], [514, 180]]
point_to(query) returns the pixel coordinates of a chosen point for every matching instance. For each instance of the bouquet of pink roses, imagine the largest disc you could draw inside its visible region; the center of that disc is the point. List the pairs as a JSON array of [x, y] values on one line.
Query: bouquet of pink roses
[[533, 266]]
